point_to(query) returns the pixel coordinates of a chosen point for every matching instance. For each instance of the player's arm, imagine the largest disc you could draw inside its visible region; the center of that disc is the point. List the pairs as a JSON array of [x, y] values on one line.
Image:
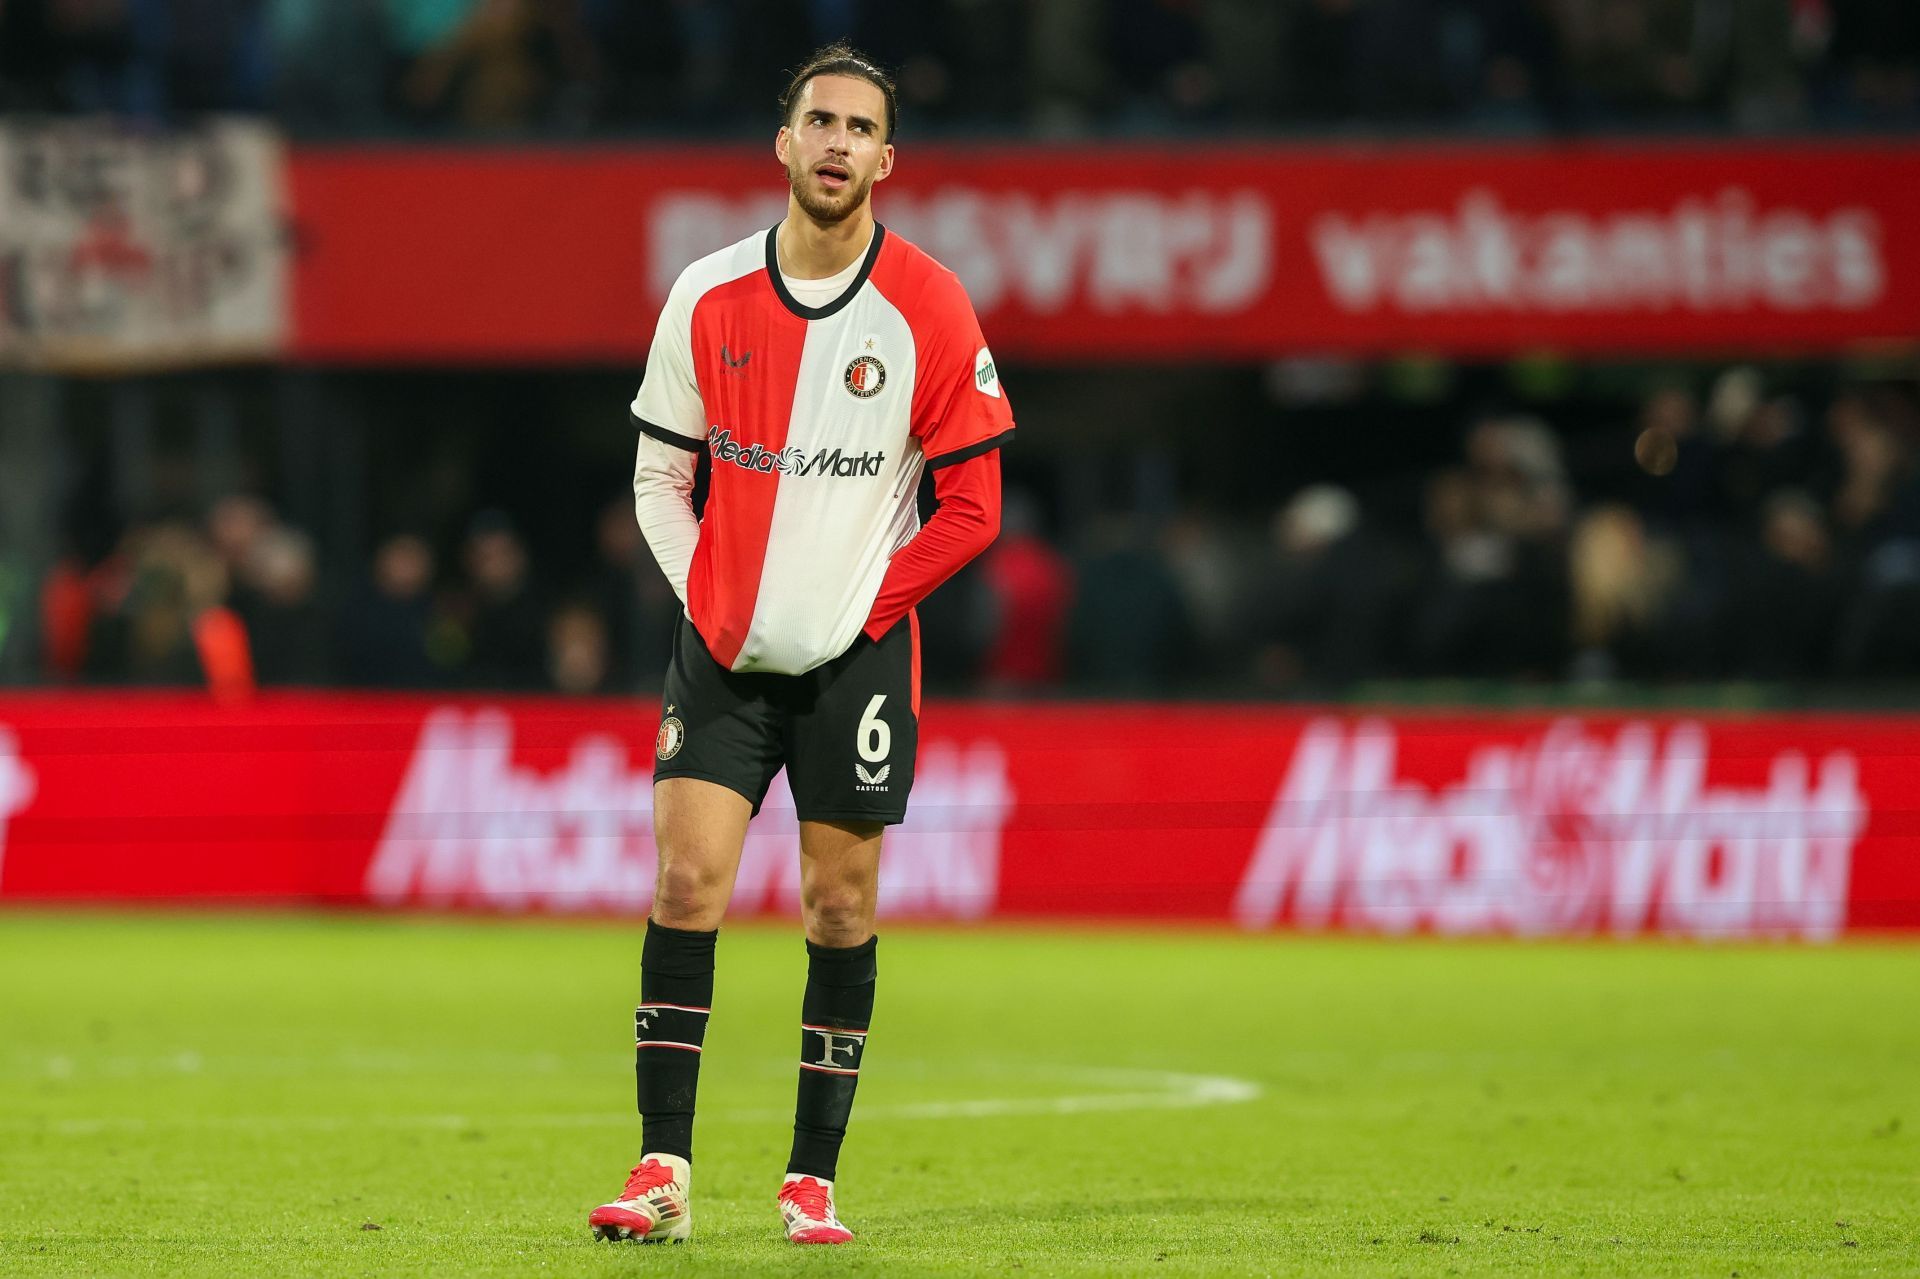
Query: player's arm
[[663, 503], [961, 418], [671, 421], [967, 521]]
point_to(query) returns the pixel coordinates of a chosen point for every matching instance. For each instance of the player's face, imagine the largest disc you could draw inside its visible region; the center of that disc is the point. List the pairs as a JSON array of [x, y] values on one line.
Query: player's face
[[835, 146]]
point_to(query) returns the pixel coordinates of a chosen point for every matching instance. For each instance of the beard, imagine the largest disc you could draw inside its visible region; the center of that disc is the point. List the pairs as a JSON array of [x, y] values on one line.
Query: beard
[[825, 209]]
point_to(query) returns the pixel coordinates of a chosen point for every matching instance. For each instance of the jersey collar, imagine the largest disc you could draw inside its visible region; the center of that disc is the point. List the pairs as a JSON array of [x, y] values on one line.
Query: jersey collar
[[820, 312]]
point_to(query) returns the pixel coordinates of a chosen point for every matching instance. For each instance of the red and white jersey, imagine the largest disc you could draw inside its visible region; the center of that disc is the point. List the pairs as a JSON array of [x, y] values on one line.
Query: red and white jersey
[[819, 422]]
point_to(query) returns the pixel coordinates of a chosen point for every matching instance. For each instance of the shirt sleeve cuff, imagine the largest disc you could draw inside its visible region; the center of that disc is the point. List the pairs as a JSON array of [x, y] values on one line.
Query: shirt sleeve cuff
[[971, 451]]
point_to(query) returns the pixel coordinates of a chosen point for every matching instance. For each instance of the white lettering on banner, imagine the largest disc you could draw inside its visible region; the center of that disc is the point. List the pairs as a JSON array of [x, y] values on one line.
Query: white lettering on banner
[[1562, 834], [1115, 251], [471, 827], [1701, 255], [17, 786]]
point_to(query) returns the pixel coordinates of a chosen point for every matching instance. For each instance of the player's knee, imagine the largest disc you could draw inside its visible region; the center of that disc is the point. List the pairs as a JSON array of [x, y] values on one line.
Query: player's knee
[[689, 893], [839, 914]]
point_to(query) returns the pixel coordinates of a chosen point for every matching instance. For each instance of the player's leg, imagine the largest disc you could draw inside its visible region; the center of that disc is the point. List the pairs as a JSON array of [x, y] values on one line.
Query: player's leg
[[699, 828], [850, 760], [716, 753], [839, 885]]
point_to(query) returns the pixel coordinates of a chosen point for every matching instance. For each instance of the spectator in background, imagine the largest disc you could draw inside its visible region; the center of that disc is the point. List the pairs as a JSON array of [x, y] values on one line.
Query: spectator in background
[[415, 26], [1873, 467], [236, 524], [509, 65], [1880, 634], [633, 597], [1633, 59], [1621, 581], [1670, 447], [386, 636], [1128, 630], [1324, 611], [145, 634], [66, 617], [1496, 599], [506, 625], [1787, 601], [577, 651], [1876, 507], [1759, 443], [413, 30], [326, 62], [1506, 63], [285, 622], [1209, 567], [1032, 586]]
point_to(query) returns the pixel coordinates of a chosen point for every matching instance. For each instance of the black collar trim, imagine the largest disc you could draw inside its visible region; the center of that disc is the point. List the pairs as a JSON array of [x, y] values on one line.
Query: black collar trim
[[833, 307]]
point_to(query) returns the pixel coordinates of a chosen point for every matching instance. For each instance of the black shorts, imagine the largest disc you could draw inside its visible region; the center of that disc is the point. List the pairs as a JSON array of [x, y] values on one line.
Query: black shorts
[[847, 731]]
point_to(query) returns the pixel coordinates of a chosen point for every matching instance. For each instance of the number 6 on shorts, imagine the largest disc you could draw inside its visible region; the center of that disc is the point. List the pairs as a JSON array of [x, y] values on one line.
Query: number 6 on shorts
[[875, 738]]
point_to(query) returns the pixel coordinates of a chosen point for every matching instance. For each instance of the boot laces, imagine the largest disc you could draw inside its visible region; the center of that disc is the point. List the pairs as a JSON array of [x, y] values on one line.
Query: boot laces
[[648, 1177], [810, 1196]]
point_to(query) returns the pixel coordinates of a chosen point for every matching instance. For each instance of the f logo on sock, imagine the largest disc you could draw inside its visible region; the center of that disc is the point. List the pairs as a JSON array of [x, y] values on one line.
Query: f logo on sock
[[830, 1045], [839, 1050]]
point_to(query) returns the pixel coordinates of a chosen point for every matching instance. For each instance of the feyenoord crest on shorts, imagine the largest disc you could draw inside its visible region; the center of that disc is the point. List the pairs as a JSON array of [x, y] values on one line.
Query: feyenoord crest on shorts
[[820, 422], [672, 735]]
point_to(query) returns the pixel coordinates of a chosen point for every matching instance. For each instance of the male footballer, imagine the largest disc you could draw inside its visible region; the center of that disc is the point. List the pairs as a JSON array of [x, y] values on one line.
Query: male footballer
[[822, 366]]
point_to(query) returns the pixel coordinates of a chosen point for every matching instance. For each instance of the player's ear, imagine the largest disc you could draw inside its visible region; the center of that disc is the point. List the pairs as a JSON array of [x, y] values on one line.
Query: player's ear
[[780, 145], [886, 162]]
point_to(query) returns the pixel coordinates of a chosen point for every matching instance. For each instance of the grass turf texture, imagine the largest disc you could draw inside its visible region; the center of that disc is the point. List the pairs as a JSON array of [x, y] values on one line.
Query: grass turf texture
[[222, 1095]]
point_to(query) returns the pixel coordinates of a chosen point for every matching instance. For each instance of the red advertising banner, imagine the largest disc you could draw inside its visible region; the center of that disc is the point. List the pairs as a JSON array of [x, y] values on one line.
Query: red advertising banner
[[1147, 252], [1769, 827]]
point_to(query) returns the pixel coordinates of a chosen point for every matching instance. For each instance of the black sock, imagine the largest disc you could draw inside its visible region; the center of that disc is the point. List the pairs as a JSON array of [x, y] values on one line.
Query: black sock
[[676, 992], [833, 1038]]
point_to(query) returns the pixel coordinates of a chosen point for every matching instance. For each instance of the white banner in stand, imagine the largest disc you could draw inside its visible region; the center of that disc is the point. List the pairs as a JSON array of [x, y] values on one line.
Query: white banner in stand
[[121, 249]]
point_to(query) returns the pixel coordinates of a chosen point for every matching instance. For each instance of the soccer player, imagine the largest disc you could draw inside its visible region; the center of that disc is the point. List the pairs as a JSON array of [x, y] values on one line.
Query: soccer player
[[822, 366]]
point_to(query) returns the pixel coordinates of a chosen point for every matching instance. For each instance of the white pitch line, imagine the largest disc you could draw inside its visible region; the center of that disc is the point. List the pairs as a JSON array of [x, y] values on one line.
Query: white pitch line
[[1175, 1091]]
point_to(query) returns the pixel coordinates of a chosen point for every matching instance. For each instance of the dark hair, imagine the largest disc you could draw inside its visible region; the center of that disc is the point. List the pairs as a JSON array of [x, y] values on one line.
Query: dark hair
[[840, 58]]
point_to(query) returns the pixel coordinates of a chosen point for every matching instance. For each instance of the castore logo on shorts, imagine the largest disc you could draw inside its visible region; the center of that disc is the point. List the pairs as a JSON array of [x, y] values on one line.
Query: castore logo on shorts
[[791, 460]]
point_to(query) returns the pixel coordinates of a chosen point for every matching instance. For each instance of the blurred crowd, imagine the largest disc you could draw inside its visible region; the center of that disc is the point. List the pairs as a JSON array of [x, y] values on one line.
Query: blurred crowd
[[1730, 535], [1062, 66], [1720, 532], [238, 600]]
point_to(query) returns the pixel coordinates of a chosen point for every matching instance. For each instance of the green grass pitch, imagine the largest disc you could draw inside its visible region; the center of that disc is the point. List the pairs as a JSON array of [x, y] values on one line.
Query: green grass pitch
[[222, 1095]]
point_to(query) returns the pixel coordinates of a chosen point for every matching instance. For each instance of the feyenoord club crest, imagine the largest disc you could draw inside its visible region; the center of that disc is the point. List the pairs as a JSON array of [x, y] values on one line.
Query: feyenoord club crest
[[865, 376], [673, 734]]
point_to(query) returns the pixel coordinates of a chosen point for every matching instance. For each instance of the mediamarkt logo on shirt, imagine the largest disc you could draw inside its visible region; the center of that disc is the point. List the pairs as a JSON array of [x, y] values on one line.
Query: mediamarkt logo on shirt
[[791, 460]]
